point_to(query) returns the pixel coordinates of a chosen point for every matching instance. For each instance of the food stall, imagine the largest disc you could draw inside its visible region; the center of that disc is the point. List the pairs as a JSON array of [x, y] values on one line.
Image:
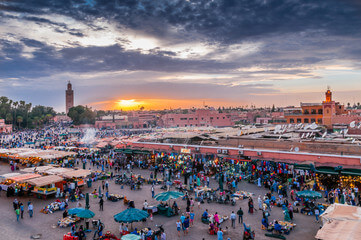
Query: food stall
[[19, 181], [45, 186], [4, 180], [77, 176]]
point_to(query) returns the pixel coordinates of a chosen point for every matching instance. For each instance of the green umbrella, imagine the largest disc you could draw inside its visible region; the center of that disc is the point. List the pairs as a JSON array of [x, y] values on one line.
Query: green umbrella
[[131, 237], [87, 206], [86, 213], [131, 215], [309, 194], [73, 211], [165, 196]]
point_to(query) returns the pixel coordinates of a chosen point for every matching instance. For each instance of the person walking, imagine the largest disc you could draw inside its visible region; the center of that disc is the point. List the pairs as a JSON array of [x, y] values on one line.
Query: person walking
[[179, 224], [101, 202], [233, 219], [317, 213], [17, 212], [21, 210], [240, 215], [31, 209], [152, 191], [220, 234]]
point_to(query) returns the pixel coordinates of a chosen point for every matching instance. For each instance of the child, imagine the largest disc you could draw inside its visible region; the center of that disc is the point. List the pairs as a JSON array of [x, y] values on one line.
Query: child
[[191, 217], [151, 217]]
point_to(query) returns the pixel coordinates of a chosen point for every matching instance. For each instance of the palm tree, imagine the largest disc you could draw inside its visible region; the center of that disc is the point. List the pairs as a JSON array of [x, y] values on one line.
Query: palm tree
[[16, 106], [19, 119]]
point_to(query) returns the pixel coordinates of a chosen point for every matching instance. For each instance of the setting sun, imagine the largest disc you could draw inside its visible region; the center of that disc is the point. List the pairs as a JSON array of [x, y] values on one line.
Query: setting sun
[[129, 104]]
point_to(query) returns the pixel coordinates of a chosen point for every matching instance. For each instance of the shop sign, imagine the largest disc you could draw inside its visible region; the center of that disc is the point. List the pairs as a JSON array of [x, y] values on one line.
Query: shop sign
[[185, 150]]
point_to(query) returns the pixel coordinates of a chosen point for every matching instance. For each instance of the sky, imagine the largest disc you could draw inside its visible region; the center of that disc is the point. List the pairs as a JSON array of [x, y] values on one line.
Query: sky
[[180, 53]]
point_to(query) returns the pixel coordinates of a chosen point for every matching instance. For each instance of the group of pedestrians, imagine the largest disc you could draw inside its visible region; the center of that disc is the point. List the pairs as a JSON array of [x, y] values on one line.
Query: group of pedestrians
[[19, 209]]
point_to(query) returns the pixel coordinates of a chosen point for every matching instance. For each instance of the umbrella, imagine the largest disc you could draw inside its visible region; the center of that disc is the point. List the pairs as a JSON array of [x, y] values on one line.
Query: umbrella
[[73, 211], [87, 201], [131, 215], [131, 237], [165, 196], [309, 194], [86, 213]]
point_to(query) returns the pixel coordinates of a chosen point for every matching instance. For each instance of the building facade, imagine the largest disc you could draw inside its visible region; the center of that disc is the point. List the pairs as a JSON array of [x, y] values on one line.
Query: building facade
[[327, 113], [5, 128], [198, 118], [69, 97]]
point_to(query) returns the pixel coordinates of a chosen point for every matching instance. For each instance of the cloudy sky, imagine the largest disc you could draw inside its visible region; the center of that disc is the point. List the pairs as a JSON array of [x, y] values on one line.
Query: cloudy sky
[[175, 53]]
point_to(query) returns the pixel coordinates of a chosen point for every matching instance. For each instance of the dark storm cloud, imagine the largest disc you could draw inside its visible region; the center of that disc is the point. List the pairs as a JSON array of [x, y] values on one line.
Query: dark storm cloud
[[294, 33], [220, 20], [92, 59]]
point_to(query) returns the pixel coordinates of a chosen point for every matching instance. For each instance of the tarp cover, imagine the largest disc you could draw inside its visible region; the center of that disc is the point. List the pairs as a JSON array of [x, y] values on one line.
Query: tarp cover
[[336, 230], [43, 181], [77, 173], [24, 177], [340, 221], [341, 212]]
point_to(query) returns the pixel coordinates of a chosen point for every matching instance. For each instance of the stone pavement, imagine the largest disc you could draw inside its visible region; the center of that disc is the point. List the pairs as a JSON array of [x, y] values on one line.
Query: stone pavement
[[46, 224]]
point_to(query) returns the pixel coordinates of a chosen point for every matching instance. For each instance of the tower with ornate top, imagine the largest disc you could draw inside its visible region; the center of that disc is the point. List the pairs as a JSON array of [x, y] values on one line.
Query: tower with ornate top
[[69, 97]]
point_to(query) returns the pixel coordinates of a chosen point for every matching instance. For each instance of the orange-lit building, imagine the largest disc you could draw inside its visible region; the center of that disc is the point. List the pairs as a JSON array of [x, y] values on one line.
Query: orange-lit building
[[326, 113], [5, 128]]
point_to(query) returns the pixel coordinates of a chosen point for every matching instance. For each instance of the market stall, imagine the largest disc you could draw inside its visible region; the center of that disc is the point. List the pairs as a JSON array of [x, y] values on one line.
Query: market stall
[[77, 177], [45, 186], [68, 221], [242, 195], [287, 227], [18, 182], [4, 180], [54, 206]]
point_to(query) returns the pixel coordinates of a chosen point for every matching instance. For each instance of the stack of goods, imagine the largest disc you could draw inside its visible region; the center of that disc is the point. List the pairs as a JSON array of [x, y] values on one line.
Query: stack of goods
[[286, 226], [52, 207], [68, 221], [242, 195], [68, 236], [115, 197]]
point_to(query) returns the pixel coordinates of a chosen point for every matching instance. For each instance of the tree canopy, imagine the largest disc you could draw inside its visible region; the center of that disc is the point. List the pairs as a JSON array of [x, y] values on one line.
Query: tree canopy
[[81, 115], [23, 115]]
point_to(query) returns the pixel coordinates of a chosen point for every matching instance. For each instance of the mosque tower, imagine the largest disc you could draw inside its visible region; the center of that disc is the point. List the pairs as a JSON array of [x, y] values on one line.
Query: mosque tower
[[69, 97]]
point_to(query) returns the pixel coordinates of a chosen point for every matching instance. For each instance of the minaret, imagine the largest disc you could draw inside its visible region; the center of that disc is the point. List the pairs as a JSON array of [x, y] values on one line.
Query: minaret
[[69, 97]]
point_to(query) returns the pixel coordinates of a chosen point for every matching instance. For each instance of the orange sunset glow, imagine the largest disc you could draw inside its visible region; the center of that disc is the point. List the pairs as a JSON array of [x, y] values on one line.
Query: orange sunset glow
[[158, 104]]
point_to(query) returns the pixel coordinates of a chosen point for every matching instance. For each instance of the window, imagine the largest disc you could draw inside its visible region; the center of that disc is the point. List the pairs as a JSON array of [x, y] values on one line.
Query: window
[[313, 120], [319, 111], [313, 111], [305, 120], [196, 118], [211, 118], [223, 117], [306, 112], [183, 119], [190, 119], [185, 125], [319, 120], [177, 125], [299, 120], [292, 120], [217, 117], [171, 119], [202, 119]]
